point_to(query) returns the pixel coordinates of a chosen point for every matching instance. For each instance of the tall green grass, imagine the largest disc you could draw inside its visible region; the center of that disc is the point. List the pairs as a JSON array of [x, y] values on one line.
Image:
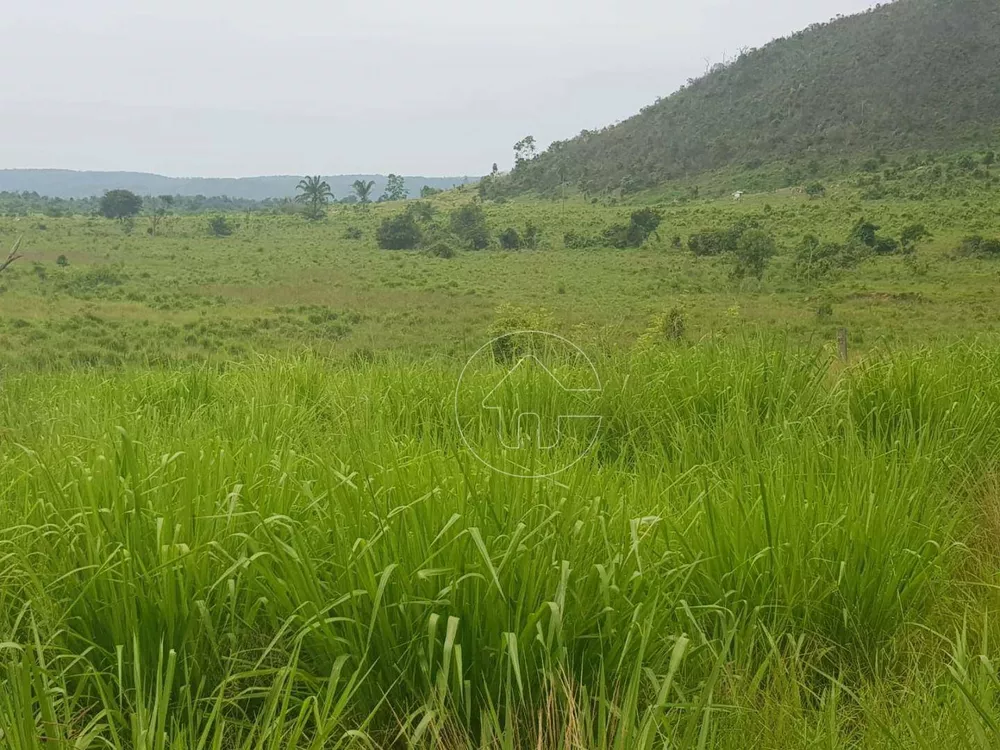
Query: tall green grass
[[762, 550]]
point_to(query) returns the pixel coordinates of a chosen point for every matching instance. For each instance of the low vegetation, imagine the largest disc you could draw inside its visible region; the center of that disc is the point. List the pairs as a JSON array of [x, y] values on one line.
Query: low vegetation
[[238, 510]]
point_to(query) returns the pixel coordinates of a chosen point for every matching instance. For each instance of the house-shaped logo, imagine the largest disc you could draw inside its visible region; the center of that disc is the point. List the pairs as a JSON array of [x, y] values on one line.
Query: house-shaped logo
[[534, 418]]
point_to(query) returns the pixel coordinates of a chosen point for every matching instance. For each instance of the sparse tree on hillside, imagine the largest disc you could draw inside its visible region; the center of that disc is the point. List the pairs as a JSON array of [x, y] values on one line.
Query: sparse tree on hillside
[[120, 205], [468, 223], [363, 190], [524, 150], [315, 193], [753, 251], [395, 189]]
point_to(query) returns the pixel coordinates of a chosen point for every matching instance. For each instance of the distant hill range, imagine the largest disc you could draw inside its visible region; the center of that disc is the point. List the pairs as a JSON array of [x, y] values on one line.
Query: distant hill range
[[64, 183], [909, 75]]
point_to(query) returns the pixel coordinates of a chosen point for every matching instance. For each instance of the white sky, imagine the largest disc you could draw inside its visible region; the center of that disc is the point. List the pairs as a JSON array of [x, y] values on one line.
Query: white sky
[[424, 87]]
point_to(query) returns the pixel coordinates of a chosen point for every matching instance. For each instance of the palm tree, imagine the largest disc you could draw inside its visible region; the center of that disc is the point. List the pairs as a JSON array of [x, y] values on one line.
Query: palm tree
[[363, 190], [315, 193]]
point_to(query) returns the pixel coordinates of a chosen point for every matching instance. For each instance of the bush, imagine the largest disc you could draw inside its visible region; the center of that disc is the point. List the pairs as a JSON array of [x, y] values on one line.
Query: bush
[[864, 232], [886, 245], [468, 223], [510, 239], [399, 232], [62, 261], [815, 259], [912, 234], [719, 241], [615, 235], [421, 210], [642, 224], [353, 233], [219, 226], [980, 246], [707, 242], [442, 250], [532, 234], [574, 241], [815, 190]]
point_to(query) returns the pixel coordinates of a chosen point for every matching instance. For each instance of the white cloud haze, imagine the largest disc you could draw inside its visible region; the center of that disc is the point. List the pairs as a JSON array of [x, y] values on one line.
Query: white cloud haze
[[439, 87]]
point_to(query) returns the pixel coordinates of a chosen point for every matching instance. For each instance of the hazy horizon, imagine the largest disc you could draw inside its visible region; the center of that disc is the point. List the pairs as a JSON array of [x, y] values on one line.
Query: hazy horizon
[[231, 90]]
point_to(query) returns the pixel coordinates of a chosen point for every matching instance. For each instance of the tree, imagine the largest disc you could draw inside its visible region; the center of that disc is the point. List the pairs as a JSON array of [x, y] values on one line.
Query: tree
[[119, 205], [219, 226], [468, 223], [13, 256], [429, 192], [400, 232], [156, 209], [510, 239], [315, 193], [816, 190], [363, 190], [524, 150], [395, 189], [753, 251]]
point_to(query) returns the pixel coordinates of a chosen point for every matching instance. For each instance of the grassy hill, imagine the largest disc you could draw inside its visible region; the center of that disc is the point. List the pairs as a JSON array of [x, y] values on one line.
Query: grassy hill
[[914, 74]]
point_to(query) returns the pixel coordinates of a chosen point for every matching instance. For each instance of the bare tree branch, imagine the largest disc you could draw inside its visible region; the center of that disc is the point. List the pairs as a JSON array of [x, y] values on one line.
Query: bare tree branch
[[14, 255]]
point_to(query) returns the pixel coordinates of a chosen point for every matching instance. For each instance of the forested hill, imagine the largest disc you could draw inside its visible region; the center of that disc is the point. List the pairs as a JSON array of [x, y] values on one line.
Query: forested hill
[[64, 183], [911, 74]]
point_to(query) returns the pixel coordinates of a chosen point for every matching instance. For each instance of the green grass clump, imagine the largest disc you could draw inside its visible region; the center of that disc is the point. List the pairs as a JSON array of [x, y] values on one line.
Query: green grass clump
[[761, 550]]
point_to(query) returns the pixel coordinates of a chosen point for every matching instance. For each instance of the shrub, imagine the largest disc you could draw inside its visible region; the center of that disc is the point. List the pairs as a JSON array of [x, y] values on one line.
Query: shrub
[[510, 239], [815, 259], [719, 241], [707, 242], [886, 245], [976, 245], [674, 324], [353, 233], [219, 226], [615, 235], [532, 234], [912, 234], [815, 190], [62, 261], [421, 210], [468, 223], [864, 232], [399, 232], [642, 224], [574, 241], [442, 250]]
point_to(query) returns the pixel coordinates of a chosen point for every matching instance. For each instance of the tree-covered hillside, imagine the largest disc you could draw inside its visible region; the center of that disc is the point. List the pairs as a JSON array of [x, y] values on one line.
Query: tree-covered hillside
[[912, 74]]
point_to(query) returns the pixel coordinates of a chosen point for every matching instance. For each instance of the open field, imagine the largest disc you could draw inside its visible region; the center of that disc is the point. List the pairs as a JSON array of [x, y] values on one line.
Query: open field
[[238, 512], [281, 283]]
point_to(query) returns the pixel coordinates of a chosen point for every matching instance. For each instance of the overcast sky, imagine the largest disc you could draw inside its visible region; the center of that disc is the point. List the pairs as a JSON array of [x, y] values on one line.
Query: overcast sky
[[430, 87]]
